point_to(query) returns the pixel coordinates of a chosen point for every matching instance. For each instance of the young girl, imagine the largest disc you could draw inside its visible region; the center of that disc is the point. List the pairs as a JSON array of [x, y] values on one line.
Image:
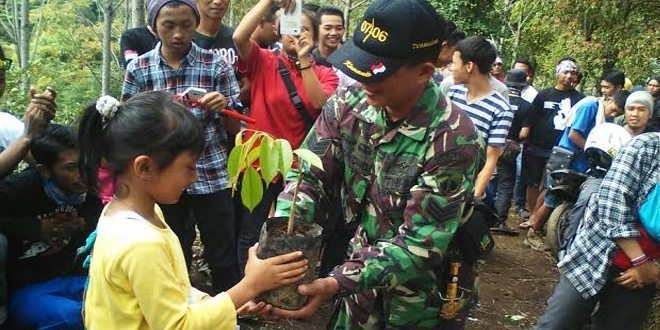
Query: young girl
[[138, 277]]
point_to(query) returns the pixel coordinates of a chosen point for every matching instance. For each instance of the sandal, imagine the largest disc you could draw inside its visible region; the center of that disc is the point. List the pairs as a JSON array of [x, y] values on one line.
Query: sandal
[[525, 225]]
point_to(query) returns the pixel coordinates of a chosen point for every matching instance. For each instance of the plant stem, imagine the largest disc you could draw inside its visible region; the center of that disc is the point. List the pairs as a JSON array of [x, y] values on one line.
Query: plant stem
[[292, 214]]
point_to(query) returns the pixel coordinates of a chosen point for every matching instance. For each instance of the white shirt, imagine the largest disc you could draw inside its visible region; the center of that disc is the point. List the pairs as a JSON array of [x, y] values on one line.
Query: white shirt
[[10, 129]]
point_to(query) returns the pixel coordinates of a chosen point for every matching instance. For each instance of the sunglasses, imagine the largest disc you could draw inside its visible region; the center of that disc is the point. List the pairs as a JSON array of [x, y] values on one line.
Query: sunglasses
[[5, 64]]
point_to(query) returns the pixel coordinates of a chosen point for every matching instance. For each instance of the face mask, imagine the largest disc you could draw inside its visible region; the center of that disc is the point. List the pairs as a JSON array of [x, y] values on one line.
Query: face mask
[[60, 197]]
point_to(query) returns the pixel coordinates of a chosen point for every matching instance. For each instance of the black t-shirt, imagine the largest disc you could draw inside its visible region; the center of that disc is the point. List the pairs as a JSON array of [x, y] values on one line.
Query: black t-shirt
[[222, 43], [520, 109], [541, 117], [22, 201], [135, 42], [319, 59]]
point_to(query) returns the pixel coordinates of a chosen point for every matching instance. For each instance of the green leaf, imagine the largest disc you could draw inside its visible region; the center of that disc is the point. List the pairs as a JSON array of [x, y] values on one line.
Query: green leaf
[[234, 162], [251, 189], [238, 140], [309, 157], [269, 159], [253, 155], [286, 156]]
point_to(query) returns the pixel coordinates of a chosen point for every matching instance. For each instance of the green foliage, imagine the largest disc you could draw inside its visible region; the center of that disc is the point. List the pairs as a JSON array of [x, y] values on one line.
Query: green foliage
[[475, 17], [263, 157], [599, 34], [66, 55]]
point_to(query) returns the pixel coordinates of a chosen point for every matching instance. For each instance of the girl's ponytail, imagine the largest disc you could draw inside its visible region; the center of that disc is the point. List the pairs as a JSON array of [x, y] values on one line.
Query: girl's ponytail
[[91, 138]]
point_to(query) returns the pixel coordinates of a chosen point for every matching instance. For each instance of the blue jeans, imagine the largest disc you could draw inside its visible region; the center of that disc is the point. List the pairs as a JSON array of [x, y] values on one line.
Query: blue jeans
[[506, 180], [619, 307], [51, 305], [519, 189]]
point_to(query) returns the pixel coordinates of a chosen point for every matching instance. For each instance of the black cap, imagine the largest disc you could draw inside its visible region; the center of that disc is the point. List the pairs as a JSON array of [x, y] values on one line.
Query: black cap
[[516, 78], [390, 34]]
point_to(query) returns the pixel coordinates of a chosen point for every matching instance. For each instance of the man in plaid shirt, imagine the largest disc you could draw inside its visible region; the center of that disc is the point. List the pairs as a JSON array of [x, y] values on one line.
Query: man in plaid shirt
[[174, 65], [610, 223]]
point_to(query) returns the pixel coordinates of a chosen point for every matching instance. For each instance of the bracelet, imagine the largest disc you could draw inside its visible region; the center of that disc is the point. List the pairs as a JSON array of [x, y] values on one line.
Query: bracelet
[[640, 260], [304, 68]]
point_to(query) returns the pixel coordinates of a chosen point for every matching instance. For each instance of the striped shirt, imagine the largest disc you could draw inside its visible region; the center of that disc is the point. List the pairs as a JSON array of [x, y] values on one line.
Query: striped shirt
[[202, 69], [492, 114], [611, 214]]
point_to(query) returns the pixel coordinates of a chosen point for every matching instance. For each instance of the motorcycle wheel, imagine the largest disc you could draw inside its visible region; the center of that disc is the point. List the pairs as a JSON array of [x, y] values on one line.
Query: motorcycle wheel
[[556, 226]]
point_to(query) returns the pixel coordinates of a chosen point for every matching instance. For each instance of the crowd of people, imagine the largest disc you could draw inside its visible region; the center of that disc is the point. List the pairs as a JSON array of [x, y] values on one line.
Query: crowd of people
[[426, 142]]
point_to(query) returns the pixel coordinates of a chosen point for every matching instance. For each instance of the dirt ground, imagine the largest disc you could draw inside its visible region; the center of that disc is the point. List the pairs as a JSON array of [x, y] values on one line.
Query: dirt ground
[[515, 283]]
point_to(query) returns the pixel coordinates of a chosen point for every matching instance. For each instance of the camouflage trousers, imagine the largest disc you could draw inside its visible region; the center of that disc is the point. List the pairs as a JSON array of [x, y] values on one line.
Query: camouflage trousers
[[417, 304]]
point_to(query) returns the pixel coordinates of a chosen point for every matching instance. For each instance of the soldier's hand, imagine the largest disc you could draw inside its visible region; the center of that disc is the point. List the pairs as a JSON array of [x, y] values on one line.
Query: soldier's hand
[[319, 291]]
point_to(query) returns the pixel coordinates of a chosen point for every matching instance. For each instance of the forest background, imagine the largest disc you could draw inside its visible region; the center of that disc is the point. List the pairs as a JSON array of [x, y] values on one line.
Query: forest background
[[73, 45]]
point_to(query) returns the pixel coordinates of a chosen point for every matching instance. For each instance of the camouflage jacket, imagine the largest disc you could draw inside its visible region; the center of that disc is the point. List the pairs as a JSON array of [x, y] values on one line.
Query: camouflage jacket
[[405, 183]]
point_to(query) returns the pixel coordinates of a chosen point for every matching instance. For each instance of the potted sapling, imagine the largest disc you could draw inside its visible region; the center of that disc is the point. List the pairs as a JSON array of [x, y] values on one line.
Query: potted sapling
[[260, 159]]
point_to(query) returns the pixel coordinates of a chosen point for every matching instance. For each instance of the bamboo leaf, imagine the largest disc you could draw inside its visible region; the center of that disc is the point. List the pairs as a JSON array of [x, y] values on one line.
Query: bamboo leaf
[[286, 156], [251, 189], [309, 157], [269, 159]]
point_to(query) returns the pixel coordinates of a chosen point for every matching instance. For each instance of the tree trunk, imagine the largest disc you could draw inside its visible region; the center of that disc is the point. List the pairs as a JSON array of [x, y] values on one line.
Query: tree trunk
[[137, 13], [107, 56], [25, 32], [516, 38], [347, 16]]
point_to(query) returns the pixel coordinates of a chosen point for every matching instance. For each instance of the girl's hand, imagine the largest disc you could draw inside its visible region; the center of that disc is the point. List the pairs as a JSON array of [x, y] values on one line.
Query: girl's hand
[[271, 273], [638, 277], [261, 309]]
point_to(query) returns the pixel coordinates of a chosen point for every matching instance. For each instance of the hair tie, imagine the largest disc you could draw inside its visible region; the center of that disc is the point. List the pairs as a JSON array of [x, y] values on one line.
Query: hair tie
[[107, 106]]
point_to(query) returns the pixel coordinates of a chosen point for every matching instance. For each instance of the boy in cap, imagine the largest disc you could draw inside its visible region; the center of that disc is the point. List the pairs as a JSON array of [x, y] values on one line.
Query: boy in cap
[[406, 161], [174, 65], [639, 111], [137, 41], [516, 81]]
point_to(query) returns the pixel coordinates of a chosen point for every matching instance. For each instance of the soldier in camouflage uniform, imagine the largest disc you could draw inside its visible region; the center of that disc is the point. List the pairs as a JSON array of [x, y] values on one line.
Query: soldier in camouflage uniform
[[406, 161]]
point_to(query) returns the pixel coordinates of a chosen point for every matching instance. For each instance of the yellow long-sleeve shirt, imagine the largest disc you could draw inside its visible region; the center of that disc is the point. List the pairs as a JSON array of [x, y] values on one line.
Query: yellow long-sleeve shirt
[[138, 280]]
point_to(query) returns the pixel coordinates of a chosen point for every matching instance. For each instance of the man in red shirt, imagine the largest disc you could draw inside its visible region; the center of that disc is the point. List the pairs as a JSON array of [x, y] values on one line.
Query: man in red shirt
[[277, 108], [272, 106]]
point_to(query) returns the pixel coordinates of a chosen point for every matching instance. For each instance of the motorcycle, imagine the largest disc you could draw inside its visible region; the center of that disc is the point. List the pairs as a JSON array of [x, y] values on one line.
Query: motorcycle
[[574, 189], [566, 189]]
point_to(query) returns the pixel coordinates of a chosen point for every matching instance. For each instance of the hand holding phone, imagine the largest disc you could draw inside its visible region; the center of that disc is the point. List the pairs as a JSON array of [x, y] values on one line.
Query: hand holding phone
[[291, 21], [194, 93]]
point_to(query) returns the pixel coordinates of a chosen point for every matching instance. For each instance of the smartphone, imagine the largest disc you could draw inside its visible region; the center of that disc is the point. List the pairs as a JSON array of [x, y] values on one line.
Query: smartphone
[[290, 23], [194, 93]]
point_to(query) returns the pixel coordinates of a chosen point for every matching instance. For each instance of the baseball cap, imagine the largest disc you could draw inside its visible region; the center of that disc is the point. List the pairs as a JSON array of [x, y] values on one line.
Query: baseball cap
[[389, 35], [516, 78]]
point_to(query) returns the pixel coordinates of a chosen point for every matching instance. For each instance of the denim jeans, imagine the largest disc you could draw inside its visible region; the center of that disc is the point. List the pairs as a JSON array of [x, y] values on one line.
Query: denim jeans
[[506, 180], [519, 189], [619, 307]]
